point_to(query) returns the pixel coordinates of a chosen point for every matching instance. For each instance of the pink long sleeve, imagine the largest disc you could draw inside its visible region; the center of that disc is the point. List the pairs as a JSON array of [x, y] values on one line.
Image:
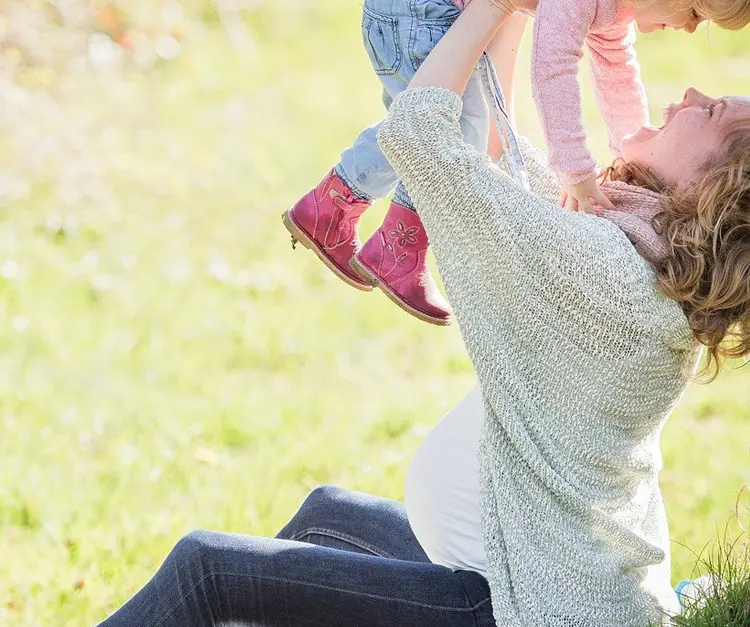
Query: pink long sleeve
[[617, 82], [561, 29]]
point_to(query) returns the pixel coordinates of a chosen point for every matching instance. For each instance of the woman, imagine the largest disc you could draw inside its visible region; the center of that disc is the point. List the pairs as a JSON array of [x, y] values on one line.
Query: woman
[[583, 332]]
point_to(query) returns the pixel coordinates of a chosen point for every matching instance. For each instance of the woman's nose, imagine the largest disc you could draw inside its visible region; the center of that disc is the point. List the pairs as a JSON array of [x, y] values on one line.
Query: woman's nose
[[695, 97]]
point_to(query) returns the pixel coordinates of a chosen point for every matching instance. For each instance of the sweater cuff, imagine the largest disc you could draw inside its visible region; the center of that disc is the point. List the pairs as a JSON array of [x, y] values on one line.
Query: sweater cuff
[[429, 98], [576, 177]]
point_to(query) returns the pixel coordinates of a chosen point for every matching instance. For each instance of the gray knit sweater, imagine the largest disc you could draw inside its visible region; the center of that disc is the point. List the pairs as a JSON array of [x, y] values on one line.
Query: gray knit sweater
[[580, 359]]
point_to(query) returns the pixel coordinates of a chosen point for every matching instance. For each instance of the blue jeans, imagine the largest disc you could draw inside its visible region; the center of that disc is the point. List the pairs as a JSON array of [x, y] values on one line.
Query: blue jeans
[[398, 35], [345, 560]]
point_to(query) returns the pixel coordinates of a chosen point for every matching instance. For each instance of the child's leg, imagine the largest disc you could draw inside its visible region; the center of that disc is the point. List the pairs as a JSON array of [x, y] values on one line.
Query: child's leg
[[395, 257], [363, 167], [397, 34], [389, 34], [326, 219]]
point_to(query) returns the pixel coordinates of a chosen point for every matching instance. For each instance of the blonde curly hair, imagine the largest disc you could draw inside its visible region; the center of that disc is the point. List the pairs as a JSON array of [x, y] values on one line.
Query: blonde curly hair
[[707, 229]]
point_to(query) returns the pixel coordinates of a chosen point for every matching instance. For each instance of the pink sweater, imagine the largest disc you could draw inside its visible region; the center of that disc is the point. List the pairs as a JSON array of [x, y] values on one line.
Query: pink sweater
[[561, 29]]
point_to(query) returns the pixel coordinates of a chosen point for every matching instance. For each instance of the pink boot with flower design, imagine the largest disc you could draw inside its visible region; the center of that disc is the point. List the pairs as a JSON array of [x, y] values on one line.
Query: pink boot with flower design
[[325, 220], [395, 260]]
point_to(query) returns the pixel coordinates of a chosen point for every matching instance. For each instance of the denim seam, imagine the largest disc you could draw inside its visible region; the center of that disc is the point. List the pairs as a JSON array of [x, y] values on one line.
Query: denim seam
[[414, 23], [393, 22], [350, 184], [412, 33], [341, 536], [478, 605], [321, 587], [400, 197]]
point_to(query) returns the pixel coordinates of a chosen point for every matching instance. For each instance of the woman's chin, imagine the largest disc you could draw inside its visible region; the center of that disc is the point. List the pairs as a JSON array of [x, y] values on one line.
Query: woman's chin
[[642, 135]]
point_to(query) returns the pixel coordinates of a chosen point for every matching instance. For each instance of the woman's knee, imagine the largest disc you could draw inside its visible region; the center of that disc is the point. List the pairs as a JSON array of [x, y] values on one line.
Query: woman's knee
[[318, 507], [323, 497], [194, 550]]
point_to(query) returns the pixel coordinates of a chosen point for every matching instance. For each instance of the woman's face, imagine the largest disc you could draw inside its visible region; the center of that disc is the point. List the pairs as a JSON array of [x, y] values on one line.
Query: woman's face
[[693, 131]]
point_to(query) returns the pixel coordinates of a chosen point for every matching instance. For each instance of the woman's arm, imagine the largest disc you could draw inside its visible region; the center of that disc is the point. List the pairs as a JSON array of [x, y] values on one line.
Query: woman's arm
[[501, 251], [503, 50], [454, 58]]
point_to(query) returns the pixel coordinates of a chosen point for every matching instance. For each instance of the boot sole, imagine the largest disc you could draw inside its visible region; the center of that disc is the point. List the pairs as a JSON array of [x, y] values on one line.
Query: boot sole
[[367, 275], [298, 235]]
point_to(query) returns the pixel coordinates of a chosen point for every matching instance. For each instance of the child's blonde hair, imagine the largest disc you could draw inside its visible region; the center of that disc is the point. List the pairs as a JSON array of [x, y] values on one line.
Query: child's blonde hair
[[728, 14]]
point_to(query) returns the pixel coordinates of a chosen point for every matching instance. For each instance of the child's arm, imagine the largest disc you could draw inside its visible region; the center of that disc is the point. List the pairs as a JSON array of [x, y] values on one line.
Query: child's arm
[[617, 83], [560, 30]]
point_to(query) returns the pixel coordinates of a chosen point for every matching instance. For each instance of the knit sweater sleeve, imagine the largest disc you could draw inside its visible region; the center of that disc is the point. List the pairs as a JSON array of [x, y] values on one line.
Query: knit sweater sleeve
[[560, 30], [542, 181], [493, 240], [617, 83]]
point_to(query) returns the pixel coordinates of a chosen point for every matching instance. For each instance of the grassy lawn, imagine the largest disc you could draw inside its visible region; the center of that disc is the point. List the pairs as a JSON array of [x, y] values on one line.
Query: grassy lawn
[[167, 362]]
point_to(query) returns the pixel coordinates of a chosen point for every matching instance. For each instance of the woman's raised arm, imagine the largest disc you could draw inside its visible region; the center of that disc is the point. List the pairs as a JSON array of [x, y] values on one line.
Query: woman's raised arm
[[502, 251], [454, 58], [503, 51]]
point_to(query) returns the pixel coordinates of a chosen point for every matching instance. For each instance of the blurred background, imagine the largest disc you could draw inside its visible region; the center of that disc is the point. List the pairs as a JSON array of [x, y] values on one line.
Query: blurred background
[[167, 362]]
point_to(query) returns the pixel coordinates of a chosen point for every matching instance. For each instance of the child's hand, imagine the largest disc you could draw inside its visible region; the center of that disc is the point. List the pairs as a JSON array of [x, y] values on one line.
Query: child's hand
[[578, 197]]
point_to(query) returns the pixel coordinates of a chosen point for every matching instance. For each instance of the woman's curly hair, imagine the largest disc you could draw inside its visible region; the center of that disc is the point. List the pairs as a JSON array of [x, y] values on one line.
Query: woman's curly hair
[[707, 228]]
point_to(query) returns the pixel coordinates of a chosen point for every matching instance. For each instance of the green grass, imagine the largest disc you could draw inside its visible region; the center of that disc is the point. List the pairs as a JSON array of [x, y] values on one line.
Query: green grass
[[167, 362], [728, 604]]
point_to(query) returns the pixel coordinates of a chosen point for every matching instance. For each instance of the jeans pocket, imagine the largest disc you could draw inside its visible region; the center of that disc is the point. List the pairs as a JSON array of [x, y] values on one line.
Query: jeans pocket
[[380, 36], [425, 35]]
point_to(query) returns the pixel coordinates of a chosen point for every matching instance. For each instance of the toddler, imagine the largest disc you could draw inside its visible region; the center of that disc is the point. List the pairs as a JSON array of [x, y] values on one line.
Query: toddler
[[398, 35]]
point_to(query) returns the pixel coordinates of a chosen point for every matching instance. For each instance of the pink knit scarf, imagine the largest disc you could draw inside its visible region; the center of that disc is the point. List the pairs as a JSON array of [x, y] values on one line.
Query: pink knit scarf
[[635, 208]]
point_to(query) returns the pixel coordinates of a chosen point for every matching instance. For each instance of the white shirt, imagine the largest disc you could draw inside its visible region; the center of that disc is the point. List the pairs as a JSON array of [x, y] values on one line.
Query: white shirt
[[442, 489]]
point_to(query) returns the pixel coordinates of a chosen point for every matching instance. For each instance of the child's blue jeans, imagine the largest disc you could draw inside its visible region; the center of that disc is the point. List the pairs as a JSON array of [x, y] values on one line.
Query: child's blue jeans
[[398, 35]]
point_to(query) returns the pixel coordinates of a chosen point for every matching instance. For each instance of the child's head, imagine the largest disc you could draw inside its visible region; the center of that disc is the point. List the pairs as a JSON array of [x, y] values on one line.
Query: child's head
[[651, 15]]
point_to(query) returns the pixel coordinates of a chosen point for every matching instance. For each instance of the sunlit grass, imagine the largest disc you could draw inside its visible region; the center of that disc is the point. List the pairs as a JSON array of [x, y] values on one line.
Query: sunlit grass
[[167, 362]]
